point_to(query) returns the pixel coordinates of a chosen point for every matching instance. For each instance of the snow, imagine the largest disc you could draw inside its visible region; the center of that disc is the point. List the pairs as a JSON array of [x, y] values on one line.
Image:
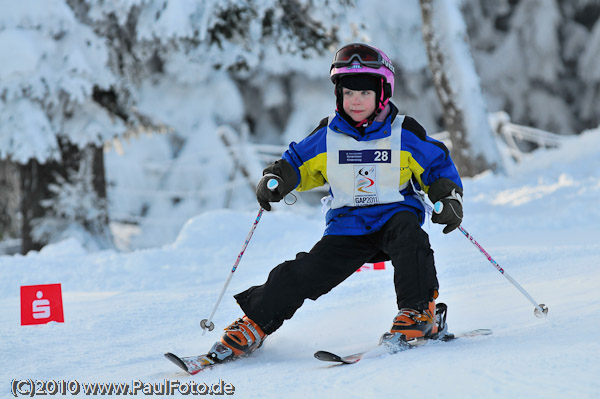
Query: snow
[[124, 310], [24, 117]]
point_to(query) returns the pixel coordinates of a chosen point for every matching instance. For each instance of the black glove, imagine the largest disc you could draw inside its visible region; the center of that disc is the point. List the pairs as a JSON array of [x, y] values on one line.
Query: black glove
[[286, 178], [451, 213], [267, 191], [449, 194]]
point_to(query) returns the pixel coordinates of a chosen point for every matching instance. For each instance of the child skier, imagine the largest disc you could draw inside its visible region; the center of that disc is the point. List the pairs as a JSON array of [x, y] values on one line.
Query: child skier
[[376, 162]]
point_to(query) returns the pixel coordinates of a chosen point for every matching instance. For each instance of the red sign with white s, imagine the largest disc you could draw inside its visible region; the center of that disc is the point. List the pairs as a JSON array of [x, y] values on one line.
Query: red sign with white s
[[41, 304]]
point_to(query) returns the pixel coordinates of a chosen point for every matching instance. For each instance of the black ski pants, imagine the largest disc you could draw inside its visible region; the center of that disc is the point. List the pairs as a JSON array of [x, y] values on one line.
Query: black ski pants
[[333, 259]]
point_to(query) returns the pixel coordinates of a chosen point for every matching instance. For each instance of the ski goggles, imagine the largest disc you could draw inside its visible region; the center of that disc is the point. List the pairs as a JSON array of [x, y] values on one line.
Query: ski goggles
[[365, 55]]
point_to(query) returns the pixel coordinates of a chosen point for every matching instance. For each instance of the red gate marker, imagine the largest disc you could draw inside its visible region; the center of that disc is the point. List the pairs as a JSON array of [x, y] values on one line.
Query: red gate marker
[[372, 266], [41, 304]]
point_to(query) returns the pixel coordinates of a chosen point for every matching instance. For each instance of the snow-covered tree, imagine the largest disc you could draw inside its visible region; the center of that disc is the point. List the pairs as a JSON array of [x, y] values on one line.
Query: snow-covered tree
[[77, 68], [53, 69], [536, 60], [474, 148]]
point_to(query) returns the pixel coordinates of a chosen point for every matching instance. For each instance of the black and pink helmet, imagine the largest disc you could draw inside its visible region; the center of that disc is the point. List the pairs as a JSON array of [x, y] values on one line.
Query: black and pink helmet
[[359, 58]]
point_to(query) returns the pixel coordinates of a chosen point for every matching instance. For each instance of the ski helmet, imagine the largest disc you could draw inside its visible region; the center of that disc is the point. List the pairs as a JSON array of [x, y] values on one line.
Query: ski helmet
[[357, 58]]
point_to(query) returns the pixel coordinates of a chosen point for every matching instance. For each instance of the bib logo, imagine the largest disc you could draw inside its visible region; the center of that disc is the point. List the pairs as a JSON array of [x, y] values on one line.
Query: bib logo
[[41, 304], [365, 185]]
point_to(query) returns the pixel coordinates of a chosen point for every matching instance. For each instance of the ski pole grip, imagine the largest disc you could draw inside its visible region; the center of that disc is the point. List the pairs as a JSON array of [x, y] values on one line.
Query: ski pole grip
[[273, 182], [438, 207]]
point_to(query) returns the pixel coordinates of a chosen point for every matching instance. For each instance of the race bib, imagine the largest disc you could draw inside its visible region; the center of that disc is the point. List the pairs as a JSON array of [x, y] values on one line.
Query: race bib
[[364, 173]]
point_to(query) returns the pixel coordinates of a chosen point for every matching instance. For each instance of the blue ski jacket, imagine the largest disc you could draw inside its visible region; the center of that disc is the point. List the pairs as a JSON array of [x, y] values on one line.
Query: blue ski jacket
[[423, 160]]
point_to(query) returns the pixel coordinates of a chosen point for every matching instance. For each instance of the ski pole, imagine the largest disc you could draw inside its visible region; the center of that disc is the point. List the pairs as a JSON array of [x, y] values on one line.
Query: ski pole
[[207, 324], [540, 310]]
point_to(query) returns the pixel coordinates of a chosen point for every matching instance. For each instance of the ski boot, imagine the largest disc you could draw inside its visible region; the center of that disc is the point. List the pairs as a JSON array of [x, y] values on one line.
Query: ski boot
[[413, 325], [241, 338]]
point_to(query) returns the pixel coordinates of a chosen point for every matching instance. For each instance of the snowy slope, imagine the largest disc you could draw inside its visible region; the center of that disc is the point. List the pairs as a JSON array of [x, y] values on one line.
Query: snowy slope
[[123, 310]]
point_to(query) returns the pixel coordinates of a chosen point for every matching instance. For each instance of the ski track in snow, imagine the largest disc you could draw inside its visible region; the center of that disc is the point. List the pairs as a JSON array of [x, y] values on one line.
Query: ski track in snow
[[124, 310]]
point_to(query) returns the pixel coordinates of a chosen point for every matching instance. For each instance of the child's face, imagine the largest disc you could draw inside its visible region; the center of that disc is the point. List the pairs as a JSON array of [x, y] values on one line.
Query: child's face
[[359, 104]]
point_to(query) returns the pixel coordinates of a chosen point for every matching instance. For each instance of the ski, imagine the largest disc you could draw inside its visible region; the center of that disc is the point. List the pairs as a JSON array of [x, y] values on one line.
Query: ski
[[192, 364], [381, 350]]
